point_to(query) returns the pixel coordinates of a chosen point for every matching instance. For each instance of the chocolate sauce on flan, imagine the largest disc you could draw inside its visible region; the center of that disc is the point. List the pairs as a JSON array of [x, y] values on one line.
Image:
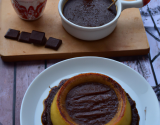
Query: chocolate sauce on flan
[[46, 118], [101, 92], [91, 104]]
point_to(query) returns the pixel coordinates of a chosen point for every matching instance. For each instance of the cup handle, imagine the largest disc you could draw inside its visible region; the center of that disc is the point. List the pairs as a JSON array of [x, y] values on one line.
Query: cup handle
[[134, 4]]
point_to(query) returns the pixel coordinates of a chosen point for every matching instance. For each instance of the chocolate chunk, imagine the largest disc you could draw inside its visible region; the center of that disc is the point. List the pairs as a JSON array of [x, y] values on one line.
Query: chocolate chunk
[[37, 37], [24, 37], [53, 43], [12, 34]]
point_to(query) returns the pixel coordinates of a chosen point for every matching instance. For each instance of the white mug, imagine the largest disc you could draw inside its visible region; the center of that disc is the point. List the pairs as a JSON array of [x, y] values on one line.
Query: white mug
[[96, 33]]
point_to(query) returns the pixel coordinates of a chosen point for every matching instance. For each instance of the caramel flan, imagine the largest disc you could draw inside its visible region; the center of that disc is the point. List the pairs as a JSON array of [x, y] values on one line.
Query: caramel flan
[[87, 99]]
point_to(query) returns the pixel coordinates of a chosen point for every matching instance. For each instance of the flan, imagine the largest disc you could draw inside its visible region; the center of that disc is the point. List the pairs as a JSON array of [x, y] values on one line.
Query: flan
[[87, 99]]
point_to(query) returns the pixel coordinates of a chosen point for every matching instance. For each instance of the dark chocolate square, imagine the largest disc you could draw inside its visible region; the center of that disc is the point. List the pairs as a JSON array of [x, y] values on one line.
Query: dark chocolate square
[[24, 37], [12, 34], [37, 37], [53, 43]]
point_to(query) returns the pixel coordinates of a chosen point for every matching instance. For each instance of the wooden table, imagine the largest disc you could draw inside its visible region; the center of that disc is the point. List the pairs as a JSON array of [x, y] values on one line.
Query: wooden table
[[16, 77]]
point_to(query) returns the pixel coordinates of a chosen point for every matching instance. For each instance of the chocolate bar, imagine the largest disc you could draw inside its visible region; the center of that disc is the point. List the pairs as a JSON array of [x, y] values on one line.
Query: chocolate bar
[[37, 37], [24, 37], [53, 43], [12, 34]]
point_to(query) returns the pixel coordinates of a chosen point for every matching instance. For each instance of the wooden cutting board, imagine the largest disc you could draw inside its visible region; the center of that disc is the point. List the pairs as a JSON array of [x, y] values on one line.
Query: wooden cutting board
[[128, 39]]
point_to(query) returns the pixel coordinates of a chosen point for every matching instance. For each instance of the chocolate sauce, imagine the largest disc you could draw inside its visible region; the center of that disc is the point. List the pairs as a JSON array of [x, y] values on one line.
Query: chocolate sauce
[[91, 104], [45, 118], [135, 116], [101, 90], [90, 13]]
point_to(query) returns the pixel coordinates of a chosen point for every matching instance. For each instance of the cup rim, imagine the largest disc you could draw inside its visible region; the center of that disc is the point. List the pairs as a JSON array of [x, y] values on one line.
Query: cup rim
[[119, 9]]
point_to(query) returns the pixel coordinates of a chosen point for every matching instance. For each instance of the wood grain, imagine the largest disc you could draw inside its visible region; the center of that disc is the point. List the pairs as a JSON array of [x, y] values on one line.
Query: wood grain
[[156, 65], [26, 72], [128, 38], [6, 92], [151, 24], [154, 52], [154, 6], [154, 45], [140, 64], [53, 61], [147, 21]]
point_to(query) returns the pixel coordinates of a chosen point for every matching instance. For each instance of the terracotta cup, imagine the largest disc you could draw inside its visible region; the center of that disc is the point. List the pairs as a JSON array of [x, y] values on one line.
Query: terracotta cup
[[29, 9]]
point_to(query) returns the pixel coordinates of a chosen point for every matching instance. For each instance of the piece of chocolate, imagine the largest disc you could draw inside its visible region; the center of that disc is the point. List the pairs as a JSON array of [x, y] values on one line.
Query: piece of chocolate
[[53, 43], [12, 34], [24, 37], [37, 37]]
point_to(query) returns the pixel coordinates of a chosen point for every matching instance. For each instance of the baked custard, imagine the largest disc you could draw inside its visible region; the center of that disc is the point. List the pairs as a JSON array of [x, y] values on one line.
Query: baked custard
[[89, 13], [88, 99]]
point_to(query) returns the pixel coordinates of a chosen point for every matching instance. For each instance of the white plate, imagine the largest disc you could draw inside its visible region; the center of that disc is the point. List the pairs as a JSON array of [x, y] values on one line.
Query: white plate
[[133, 83]]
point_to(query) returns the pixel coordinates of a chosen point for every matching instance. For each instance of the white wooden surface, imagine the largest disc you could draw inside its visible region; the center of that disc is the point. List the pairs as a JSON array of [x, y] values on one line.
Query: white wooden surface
[[6, 92], [27, 71]]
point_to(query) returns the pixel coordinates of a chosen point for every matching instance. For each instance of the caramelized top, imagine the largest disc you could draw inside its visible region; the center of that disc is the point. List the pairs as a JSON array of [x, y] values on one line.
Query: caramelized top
[[92, 103]]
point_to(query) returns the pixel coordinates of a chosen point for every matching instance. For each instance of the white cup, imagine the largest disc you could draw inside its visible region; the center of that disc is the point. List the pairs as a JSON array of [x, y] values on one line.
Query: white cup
[[96, 33], [29, 9]]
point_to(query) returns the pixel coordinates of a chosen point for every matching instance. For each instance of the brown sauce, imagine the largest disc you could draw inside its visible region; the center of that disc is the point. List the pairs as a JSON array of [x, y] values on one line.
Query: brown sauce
[[135, 116], [46, 120], [91, 104], [89, 13]]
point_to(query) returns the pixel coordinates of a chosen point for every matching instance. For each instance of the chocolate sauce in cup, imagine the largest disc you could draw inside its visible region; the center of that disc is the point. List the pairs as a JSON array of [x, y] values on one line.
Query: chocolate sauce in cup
[[29, 9], [92, 32]]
